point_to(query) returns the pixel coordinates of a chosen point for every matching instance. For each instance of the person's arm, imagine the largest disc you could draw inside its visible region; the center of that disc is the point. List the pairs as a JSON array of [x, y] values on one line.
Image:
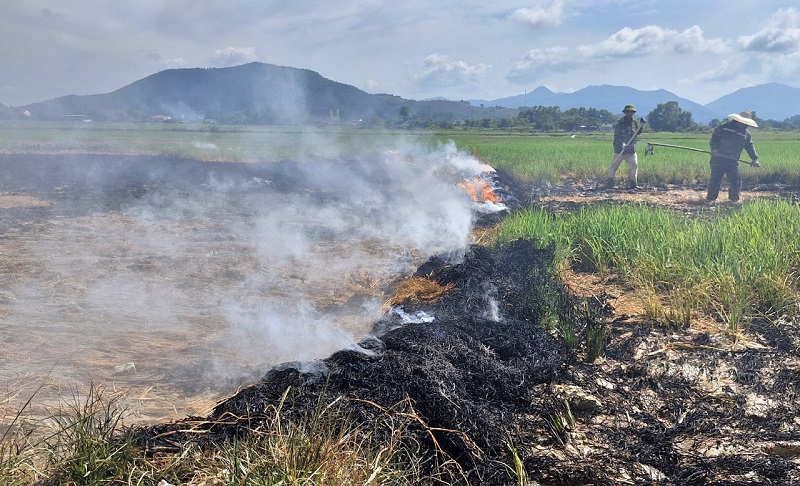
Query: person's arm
[[618, 141], [751, 149], [714, 141]]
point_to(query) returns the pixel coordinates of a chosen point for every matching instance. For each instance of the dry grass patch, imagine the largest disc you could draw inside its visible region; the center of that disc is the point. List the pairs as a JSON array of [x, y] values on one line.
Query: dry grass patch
[[417, 289]]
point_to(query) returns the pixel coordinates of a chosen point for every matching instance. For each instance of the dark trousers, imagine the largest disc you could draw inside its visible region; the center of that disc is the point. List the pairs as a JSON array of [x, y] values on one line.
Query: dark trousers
[[720, 168]]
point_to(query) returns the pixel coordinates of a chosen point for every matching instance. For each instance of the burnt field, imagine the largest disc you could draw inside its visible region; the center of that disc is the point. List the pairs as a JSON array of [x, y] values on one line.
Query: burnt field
[[176, 281], [204, 291], [480, 377]]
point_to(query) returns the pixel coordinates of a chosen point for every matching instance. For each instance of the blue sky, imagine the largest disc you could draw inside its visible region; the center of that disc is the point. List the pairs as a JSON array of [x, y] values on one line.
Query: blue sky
[[700, 50]]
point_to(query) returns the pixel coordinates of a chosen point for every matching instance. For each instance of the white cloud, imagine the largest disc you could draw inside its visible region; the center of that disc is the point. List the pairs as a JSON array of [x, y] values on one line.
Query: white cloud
[[781, 35], [786, 18], [724, 72], [175, 63], [550, 15], [151, 55], [773, 52], [621, 47], [693, 40], [439, 71], [627, 42], [233, 56], [538, 62], [652, 39], [772, 40]]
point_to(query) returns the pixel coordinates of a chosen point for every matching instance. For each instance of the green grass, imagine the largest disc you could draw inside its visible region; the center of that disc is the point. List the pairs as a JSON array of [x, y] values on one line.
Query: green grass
[[553, 158], [738, 263]]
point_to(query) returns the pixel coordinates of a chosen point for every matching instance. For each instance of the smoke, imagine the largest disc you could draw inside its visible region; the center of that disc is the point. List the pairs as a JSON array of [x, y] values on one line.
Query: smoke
[[323, 248], [204, 275]]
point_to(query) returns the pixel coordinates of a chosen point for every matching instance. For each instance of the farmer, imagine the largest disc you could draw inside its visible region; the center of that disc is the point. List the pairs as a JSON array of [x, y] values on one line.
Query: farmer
[[625, 133], [727, 142]]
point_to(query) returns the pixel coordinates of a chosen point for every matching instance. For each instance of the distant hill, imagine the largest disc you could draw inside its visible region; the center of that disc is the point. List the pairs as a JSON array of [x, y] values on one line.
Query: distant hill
[[604, 97], [250, 93], [770, 101]]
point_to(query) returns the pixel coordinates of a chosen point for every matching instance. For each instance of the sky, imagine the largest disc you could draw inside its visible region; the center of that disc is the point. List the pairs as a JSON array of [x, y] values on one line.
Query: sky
[[700, 50]]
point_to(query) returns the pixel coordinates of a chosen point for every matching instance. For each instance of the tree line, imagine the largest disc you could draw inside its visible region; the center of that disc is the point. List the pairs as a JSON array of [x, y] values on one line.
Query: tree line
[[665, 117]]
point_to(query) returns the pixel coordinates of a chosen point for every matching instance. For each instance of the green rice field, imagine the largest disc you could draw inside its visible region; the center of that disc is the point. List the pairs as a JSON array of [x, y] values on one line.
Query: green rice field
[[554, 157]]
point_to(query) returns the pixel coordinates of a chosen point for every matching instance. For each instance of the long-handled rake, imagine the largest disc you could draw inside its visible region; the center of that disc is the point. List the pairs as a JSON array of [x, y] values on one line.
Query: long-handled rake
[[649, 151]]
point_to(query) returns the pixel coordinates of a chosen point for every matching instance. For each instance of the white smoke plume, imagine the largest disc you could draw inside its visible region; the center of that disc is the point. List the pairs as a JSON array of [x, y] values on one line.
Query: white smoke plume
[[204, 286]]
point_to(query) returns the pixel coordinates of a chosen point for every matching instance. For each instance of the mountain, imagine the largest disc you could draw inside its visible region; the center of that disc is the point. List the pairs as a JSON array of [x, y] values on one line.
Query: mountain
[[268, 94], [604, 97], [770, 101], [250, 93]]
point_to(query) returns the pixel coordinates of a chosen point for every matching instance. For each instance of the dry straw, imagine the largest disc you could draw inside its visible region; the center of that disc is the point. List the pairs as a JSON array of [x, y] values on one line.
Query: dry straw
[[417, 289]]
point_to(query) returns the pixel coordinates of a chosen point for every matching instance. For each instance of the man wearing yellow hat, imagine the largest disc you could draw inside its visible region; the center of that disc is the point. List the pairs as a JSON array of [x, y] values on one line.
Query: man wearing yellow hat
[[625, 132], [727, 142]]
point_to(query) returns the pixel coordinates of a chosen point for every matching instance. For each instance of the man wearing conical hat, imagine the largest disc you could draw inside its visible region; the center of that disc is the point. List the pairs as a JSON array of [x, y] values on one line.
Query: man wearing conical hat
[[625, 132], [727, 142]]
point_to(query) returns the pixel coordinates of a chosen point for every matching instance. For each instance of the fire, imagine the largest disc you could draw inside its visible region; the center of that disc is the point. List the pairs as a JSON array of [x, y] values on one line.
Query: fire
[[480, 189]]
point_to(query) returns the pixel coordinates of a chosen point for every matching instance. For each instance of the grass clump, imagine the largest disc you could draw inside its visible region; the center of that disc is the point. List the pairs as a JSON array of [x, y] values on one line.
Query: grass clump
[[596, 337], [83, 442], [323, 447], [560, 421], [86, 442]]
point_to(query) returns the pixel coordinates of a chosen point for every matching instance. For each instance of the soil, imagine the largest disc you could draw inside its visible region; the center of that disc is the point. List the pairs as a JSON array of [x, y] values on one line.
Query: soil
[[468, 376]]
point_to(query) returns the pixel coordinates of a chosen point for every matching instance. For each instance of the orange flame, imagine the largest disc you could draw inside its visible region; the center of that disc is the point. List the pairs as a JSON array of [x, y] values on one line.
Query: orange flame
[[480, 190]]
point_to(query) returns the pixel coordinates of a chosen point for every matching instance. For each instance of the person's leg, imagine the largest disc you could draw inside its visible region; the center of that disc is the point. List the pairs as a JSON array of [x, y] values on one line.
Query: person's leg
[[632, 160], [715, 180], [734, 182], [612, 170]]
